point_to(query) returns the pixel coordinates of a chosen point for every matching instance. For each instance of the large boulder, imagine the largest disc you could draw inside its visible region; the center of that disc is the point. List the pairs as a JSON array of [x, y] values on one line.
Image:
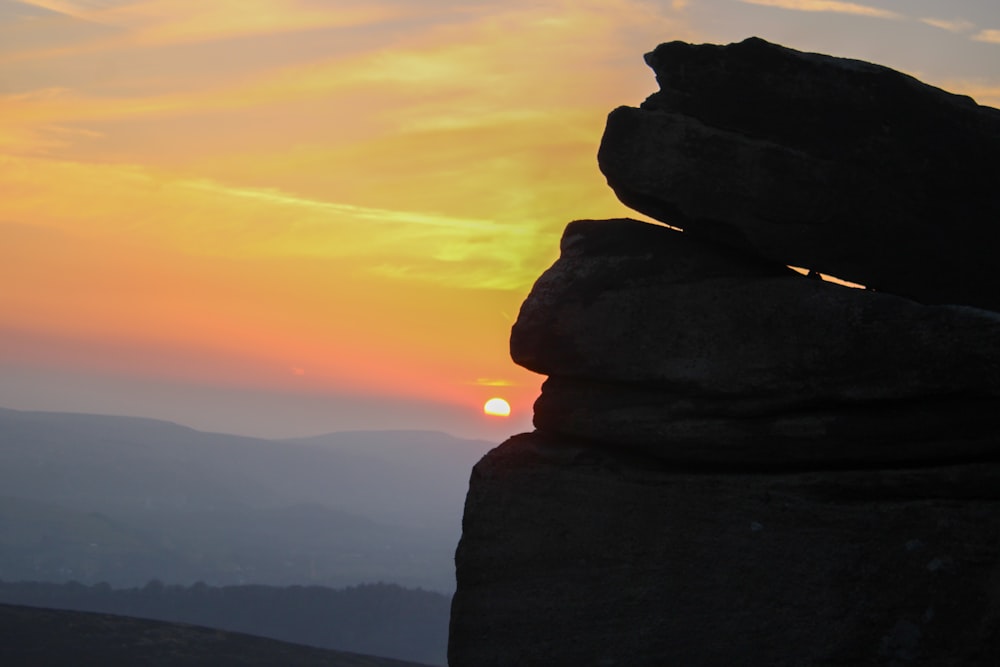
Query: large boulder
[[574, 553], [845, 167], [632, 302], [657, 340]]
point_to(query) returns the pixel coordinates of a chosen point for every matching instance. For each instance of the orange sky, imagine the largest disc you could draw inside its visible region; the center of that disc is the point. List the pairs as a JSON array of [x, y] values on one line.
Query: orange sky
[[336, 204]]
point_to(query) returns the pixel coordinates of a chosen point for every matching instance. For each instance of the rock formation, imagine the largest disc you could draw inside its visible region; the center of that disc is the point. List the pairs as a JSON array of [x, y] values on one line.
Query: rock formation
[[849, 168], [652, 339], [735, 464]]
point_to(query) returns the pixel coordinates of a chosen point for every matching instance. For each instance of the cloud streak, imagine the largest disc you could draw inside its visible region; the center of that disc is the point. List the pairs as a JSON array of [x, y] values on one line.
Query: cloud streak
[[84, 11], [476, 72], [990, 36], [951, 25], [157, 23], [830, 6], [463, 119], [204, 218]]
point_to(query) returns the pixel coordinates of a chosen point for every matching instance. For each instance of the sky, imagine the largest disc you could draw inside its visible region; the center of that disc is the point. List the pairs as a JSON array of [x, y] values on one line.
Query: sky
[[290, 217]]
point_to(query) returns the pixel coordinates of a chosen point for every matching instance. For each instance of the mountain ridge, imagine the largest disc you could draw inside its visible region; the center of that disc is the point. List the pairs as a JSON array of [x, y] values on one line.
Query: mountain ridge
[[395, 497]]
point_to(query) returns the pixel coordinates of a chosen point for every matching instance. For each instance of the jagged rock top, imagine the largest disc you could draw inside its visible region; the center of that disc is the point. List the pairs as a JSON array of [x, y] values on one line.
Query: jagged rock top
[[831, 107], [849, 168]]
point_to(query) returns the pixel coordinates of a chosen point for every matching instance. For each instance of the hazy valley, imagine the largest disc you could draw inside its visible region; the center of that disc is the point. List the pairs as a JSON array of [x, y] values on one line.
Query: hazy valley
[[125, 501]]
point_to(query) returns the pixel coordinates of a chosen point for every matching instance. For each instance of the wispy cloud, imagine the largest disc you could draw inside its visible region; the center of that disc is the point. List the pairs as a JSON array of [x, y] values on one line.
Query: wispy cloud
[[155, 23], [432, 133], [992, 36], [84, 11], [951, 25], [484, 62], [831, 6], [463, 118], [492, 382], [211, 219], [180, 21]]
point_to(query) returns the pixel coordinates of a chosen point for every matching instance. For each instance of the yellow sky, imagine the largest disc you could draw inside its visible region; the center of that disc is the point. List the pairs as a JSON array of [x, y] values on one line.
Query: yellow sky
[[328, 198]]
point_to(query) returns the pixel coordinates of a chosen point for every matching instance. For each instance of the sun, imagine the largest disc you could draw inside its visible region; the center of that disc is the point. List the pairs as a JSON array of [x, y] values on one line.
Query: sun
[[497, 407]]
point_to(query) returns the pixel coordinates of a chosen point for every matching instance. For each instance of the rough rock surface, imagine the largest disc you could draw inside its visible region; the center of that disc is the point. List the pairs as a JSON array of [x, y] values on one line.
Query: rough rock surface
[[577, 555], [845, 167], [657, 340]]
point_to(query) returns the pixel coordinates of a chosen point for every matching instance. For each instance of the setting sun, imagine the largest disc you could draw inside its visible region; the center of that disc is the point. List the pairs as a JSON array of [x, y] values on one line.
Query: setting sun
[[497, 407]]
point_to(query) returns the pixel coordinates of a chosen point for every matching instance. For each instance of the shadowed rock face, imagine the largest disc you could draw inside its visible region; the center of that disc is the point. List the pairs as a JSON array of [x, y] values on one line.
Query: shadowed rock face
[[848, 168], [629, 302], [656, 340], [736, 464], [576, 554]]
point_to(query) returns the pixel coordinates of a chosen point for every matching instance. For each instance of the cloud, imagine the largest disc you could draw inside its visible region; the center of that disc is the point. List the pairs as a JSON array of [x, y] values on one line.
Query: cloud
[[492, 382], [518, 56], [498, 114], [208, 219], [453, 155], [158, 23], [84, 11], [832, 6], [953, 25], [181, 21], [991, 36]]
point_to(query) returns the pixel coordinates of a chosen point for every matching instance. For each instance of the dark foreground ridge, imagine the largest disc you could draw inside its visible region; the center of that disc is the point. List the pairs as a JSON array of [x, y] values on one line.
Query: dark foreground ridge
[[51, 638], [736, 463]]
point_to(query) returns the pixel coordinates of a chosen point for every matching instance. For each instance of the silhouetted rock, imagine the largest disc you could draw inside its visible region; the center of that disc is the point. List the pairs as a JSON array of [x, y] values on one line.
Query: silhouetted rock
[[838, 165], [735, 463], [578, 554], [656, 340]]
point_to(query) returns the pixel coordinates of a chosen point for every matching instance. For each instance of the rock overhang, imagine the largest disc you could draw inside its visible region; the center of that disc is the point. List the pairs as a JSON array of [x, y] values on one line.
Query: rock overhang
[[852, 169]]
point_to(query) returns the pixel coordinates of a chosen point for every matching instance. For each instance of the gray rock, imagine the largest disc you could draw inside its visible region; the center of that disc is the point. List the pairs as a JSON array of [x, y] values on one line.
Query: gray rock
[[743, 434], [657, 341], [845, 167], [579, 554], [630, 303]]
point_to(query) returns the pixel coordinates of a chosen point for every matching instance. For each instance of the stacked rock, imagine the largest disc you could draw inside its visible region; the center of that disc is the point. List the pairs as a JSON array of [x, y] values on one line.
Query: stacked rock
[[735, 463], [841, 166], [700, 354]]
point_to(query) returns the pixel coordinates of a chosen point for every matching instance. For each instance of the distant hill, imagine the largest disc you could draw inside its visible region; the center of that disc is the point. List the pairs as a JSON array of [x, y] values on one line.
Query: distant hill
[[50, 638], [125, 500]]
